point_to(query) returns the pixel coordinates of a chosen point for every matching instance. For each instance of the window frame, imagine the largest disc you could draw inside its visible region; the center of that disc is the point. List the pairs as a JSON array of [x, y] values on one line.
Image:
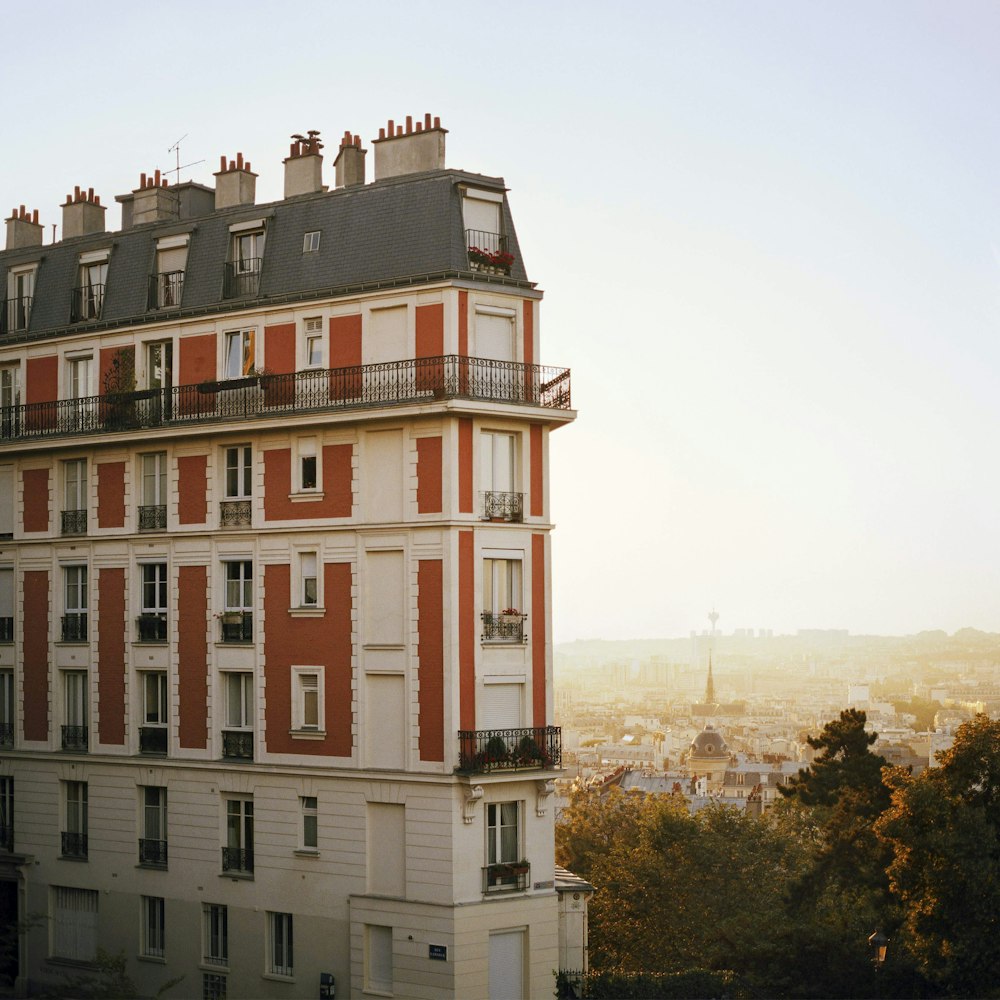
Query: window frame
[[311, 240], [237, 472], [503, 584], [152, 938], [280, 945], [154, 578], [68, 926], [215, 934], [312, 335], [243, 681], [76, 697], [76, 387], [309, 841], [79, 586], [301, 677], [500, 842], [239, 352], [238, 585], [75, 491], [158, 478], [154, 812], [155, 682]]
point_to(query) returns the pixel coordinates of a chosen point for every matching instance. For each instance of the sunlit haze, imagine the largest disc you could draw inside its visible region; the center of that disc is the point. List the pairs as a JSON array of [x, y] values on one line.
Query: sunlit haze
[[768, 236]]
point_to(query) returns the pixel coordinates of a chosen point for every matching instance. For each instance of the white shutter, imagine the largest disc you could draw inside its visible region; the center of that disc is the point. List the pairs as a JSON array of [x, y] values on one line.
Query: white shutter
[[172, 260], [75, 933], [6, 593], [379, 959], [507, 965], [494, 337], [386, 339], [502, 706], [483, 216]]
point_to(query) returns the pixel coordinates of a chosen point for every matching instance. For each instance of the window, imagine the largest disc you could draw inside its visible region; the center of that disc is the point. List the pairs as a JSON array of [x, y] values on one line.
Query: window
[[310, 242], [153, 937], [502, 833], [237, 736], [74, 732], [378, 958], [279, 928], [153, 509], [502, 618], [153, 731], [74, 923], [167, 285], [237, 855], [307, 471], [153, 616], [6, 606], [309, 594], [313, 343], [74, 624], [153, 843], [240, 357], [247, 257], [89, 295], [497, 475], [10, 400], [215, 920], [6, 708], [237, 618], [7, 814], [310, 822], [20, 294], [307, 701], [80, 378], [74, 513], [74, 835], [213, 986], [239, 471]]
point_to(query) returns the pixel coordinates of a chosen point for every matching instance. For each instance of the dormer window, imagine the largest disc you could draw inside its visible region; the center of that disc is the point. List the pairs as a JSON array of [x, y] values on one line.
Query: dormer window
[[20, 294], [483, 215], [88, 296], [246, 258], [166, 284]]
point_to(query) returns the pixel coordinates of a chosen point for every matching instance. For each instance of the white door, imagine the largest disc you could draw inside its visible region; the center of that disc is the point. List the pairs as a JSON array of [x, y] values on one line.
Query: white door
[[507, 965]]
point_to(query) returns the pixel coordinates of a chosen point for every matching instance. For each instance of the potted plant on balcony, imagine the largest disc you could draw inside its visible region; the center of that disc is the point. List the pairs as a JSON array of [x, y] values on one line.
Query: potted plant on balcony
[[496, 753], [118, 406], [491, 262]]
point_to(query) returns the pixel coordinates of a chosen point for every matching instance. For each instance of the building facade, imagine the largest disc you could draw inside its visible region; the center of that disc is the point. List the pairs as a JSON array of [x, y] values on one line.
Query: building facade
[[275, 644]]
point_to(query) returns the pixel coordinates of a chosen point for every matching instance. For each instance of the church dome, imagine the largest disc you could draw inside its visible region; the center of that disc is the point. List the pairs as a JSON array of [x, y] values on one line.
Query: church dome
[[709, 744]]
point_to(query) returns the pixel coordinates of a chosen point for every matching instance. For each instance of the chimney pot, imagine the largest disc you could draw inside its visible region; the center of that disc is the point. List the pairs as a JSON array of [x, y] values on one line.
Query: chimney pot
[[34, 217], [437, 121], [357, 141], [222, 164], [142, 180], [419, 127], [381, 133], [156, 182], [409, 124], [22, 212], [392, 127], [239, 161], [427, 120], [76, 192]]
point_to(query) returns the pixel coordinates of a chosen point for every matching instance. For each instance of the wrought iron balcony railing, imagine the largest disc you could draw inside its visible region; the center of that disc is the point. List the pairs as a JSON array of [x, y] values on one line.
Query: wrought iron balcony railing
[[75, 737], [153, 517], [74, 627], [74, 522], [237, 744], [506, 876], [74, 845], [87, 303], [235, 513], [237, 859], [483, 750], [6, 629], [165, 290], [16, 314], [242, 277], [152, 627], [237, 626], [392, 383], [504, 626], [153, 739], [488, 251], [503, 506], [153, 853], [7, 837], [6, 735]]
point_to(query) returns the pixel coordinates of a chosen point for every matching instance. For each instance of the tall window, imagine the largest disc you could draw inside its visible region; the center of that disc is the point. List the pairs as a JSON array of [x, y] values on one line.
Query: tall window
[[502, 834], [74, 837], [310, 822], [498, 476], [280, 952], [313, 354], [153, 843], [7, 814], [215, 947], [20, 293], [74, 513], [153, 731], [74, 923], [240, 353], [6, 605], [309, 595], [75, 618], [307, 707], [378, 958], [6, 708], [74, 732], [93, 277], [308, 478], [239, 701], [503, 620], [153, 619], [237, 855], [10, 400], [153, 936], [153, 510], [248, 251], [80, 378], [239, 471], [239, 585]]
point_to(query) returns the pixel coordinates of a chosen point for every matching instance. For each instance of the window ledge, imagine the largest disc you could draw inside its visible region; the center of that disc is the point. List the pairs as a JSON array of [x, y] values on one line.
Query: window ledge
[[73, 963], [306, 852], [277, 977], [71, 857], [307, 734], [307, 612], [146, 866], [237, 876], [155, 959], [222, 968], [305, 496], [72, 642]]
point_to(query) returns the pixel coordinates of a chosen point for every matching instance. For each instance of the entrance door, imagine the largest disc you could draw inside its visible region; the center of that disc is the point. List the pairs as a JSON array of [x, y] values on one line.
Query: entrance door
[[9, 957]]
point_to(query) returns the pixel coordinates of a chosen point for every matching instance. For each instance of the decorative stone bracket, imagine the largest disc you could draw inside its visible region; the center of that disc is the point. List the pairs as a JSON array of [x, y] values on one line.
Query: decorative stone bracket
[[472, 796], [543, 789]]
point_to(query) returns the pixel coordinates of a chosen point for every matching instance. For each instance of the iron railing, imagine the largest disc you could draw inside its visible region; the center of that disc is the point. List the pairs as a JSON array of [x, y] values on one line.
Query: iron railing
[[391, 383], [213, 985], [237, 626], [6, 735], [237, 859], [165, 290], [74, 522], [153, 517], [16, 314], [235, 513], [6, 630], [488, 251], [74, 627], [506, 876], [503, 506], [152, 627], [75, 738], [153, 853], [7, 837], [237, 744], [241, 277], [74, 845], [483, 750], [153, 739], [87, 303], [504, 627]]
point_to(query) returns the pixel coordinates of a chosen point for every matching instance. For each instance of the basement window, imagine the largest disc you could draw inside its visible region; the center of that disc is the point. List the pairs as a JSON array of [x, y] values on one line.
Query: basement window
[[310, 242]]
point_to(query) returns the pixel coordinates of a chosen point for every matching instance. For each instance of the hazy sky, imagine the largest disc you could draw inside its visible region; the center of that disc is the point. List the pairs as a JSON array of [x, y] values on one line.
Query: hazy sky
[[768, 233]]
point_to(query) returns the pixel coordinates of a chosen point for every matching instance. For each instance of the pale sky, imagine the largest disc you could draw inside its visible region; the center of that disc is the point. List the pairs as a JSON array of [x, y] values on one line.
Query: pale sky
[[768, 234]]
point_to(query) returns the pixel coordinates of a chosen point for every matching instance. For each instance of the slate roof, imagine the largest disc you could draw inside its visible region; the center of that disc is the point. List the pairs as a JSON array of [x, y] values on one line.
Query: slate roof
[[400, 230]]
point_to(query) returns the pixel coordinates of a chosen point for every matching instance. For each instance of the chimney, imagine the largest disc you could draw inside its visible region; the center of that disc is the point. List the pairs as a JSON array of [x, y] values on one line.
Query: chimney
[[23, 229], [349, 167], [82, 214], [153, 201], [235, 184], [411, 151], [304, 165]]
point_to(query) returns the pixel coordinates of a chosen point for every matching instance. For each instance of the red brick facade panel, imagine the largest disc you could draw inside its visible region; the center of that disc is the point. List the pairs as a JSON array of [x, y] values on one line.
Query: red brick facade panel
[[35, 680], [192, 656], [192, 489], [538, 630], [529, 332], [111, 495], [429, 475], [36, 500], [337, 495], [467, 621], [430, 654], [41, 386], [111, 630], [537, 484], [465, 465]]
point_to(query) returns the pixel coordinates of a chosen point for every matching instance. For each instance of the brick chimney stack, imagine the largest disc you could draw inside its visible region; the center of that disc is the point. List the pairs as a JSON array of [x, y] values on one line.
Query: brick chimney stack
[[82, 214], [304, 165], [235, 184], [349, 167], [153, 201], [411, 151], [23, 229]]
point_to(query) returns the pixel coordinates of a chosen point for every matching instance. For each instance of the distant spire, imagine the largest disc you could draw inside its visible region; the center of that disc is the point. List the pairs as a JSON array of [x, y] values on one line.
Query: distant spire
[[710, 686]]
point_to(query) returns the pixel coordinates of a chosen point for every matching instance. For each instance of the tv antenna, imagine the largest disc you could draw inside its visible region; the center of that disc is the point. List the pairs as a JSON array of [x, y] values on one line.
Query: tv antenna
[[176, 150]]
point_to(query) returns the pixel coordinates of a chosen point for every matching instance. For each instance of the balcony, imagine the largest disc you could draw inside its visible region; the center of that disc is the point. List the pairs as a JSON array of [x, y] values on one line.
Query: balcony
[[483, 750], [242, 278], [237, 744], [237, 859], [237, 626], [165, 290], [506, 876], [6, 630], [153, 517], [87, 303], [74, 627], [394, 383], [153, 740], [235, 513], [6, 735], [152, 853], [74, 845], [75, 738], [488, 252], [152, 627], [503, 506], [16, 314], [505, 626], [74, 522]]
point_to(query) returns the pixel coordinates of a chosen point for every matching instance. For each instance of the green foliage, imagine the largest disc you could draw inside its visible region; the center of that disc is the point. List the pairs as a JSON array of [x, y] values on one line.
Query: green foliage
[[107, 980], [694, 983]]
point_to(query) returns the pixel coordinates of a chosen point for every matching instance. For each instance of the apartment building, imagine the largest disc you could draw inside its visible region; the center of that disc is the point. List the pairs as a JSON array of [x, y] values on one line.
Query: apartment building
[[275, 644]]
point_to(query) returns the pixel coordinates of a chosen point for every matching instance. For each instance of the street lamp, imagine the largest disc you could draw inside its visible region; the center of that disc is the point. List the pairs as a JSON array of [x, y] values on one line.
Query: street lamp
[[878, 943]]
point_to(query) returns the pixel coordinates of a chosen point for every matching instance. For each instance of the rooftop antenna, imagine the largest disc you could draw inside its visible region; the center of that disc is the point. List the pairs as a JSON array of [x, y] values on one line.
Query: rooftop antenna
[[176, 150]]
